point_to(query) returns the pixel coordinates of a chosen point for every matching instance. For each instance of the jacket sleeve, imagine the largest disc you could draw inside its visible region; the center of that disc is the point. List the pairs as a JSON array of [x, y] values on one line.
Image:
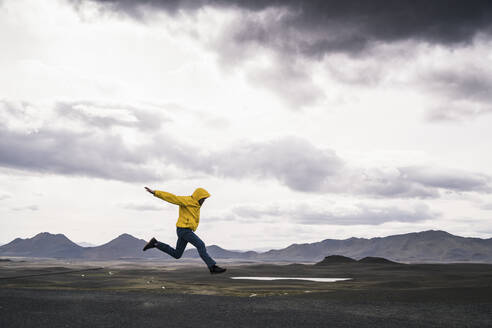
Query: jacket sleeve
[[178, 200]]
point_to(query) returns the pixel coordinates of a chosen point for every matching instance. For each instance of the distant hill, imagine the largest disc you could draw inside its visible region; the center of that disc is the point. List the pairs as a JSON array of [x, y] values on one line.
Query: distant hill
[[426, 246], [43, 244], [339, 259], [336, 259], [123, 246], [376, 260], [59, 246]]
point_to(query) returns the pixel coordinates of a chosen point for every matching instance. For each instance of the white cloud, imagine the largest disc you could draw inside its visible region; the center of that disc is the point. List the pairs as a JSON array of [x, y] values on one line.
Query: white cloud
[[140, 207], [96, 148], [319, 214], [487, 206], [26, 208], [4, 195]]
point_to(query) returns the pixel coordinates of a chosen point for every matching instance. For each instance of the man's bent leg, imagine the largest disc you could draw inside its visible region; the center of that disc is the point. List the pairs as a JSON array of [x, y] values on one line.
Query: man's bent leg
[[200, 246], [176, 253], [180, 247]]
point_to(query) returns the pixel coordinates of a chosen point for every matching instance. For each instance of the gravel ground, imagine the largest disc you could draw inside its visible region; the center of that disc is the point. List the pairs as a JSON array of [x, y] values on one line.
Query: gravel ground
[[55, 294], [79, 308]]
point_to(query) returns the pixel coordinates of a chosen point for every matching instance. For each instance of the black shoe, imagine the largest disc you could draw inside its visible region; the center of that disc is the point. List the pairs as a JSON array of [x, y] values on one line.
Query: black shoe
[[216, 269], [150, 244]]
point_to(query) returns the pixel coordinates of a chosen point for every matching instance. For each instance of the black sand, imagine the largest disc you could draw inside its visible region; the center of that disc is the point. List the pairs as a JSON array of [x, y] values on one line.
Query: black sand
[[458, 295]]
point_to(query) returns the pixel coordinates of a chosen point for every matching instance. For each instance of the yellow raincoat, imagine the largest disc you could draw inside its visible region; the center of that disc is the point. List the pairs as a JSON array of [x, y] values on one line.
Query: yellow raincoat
[[189, 208]]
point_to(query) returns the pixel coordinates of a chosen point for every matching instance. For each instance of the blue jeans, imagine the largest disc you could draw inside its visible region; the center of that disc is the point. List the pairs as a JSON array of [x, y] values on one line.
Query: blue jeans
[[185, 236]]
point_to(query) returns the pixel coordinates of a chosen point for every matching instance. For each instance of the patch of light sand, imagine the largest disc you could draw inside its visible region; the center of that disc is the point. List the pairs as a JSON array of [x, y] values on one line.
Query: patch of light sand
[[290, 278]]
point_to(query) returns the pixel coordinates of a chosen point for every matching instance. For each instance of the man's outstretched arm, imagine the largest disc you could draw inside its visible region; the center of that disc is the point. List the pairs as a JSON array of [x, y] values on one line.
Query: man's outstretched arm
[[171, 198]]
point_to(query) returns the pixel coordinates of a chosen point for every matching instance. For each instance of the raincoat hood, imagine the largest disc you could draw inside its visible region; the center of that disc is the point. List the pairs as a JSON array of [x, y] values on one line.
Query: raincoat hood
[[200, 193]]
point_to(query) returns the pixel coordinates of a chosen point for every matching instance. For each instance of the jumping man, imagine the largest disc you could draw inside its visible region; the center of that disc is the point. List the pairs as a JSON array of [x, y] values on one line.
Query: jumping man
[[189, 217]]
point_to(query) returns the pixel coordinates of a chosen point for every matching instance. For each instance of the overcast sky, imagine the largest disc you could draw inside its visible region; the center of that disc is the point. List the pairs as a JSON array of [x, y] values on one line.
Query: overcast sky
[[305, 120]]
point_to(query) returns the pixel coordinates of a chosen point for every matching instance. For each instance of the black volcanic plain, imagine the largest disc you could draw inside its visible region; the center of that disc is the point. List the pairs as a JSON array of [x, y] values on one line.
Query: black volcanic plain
[[50, 293]]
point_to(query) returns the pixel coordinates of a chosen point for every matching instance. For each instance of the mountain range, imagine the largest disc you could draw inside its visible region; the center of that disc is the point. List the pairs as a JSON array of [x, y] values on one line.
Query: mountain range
[[425, 246]]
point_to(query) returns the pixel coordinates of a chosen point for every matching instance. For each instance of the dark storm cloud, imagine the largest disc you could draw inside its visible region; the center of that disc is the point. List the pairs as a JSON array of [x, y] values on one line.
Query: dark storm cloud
[[295, 31], [301, 166], [467, 82], [449, 179], [361, 214], [96, 151], [419, 182], [294, 162], [319, 26], [71, 153], [461, 92], [92, 149], [379, 183], [291, 82]]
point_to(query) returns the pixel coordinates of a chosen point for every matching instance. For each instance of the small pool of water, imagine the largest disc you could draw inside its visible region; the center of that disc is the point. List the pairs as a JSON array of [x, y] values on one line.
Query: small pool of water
[[292, 278]]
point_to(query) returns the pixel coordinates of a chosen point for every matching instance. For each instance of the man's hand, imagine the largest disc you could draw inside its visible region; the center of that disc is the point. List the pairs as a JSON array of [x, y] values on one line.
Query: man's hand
[[149, 190]]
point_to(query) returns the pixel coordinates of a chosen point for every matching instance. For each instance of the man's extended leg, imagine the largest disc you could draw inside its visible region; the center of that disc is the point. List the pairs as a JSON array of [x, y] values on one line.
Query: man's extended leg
[[177, 252]]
